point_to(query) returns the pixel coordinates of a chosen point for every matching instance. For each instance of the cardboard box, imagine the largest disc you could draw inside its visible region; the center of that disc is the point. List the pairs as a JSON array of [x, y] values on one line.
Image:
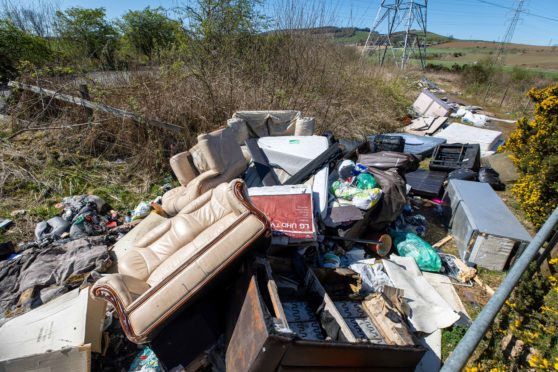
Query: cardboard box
[[69, 321]]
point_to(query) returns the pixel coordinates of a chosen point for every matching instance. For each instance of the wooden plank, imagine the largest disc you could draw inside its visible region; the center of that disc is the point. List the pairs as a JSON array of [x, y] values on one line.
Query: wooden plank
[[95, 106], [442, 241]]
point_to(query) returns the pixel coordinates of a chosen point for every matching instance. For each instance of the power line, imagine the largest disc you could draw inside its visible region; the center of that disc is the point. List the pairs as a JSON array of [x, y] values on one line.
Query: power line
[[521, 11]]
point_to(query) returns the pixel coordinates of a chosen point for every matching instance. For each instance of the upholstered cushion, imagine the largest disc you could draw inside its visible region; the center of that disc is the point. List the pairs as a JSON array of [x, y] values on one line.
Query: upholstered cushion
[[171, 264], [182, 165], [165, 240]]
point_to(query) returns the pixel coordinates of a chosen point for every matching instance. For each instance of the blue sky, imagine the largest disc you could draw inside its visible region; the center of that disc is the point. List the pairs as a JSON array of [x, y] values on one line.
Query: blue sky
[[464, 19]]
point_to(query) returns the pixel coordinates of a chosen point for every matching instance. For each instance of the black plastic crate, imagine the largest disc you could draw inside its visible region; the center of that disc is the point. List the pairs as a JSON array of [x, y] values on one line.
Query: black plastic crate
[[383, 142], [448, 157]]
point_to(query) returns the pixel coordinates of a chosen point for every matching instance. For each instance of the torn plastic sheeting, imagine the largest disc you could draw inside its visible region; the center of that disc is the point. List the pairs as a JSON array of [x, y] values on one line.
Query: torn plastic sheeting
[[372, 274], [429, 311], [41, 270]]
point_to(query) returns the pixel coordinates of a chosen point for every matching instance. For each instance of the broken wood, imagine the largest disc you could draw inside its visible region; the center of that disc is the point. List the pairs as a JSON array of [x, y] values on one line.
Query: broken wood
[[488, 290], [442, 241], [95, 106]]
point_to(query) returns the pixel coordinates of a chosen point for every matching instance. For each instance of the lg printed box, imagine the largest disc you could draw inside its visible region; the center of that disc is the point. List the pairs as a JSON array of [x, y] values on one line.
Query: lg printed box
[[289, 210]]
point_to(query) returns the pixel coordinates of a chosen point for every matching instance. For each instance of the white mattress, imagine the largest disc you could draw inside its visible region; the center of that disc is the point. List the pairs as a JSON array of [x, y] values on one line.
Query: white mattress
[[489, 140], [292, 153]]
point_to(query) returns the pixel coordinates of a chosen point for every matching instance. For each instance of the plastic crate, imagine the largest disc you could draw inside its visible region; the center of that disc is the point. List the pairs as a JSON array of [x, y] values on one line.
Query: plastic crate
[[448, 157]]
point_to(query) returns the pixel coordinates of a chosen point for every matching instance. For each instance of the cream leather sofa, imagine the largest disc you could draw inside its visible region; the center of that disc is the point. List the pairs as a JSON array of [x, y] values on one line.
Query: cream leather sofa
[[256, 124], [171, 264], [215, 159]]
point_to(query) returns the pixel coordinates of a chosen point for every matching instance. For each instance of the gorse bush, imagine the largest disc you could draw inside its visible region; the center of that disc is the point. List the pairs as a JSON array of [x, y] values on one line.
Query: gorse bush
[[533, 145]]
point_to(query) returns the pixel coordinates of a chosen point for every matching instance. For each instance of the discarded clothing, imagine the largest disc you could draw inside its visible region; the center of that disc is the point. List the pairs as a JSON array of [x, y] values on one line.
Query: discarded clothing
[[40, 274]]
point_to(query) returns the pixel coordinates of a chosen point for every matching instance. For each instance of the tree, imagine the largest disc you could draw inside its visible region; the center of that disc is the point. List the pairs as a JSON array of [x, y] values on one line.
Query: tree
[[149, 31], [533, 145], [32, 16], [17, 46], [88, 34]]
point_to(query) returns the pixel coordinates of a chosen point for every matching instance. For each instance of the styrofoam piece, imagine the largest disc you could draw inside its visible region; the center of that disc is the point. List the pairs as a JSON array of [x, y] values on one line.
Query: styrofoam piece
[[489, 140]]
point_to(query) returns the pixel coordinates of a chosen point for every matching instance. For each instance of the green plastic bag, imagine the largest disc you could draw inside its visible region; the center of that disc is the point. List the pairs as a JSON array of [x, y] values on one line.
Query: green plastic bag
[[411, 245], [365, 181]]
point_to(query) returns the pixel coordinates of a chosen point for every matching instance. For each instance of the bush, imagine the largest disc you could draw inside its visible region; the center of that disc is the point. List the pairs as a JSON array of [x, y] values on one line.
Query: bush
[[149, 32], [86, 34], [533, 145], [17, 47]]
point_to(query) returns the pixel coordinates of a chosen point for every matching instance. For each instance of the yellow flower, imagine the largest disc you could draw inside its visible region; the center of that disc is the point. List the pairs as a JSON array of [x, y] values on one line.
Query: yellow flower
[[553, 261], [517, 323]]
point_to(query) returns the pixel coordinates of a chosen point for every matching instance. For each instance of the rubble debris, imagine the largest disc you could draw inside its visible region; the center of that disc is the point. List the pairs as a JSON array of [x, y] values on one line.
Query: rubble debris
[[323, 333], [499, 236]]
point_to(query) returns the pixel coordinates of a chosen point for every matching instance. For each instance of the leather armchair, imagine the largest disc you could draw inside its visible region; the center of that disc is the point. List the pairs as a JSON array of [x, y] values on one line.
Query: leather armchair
[[173, 262], [255, 124], [215, 159]]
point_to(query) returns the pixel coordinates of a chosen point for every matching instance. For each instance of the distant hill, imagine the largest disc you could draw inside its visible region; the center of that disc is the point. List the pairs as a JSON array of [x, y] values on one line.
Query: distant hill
[[355, 35]]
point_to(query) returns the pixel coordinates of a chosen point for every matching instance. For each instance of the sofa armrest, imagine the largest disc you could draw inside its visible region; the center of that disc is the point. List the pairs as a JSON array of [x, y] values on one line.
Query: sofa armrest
[[120, 290], [183, 167]]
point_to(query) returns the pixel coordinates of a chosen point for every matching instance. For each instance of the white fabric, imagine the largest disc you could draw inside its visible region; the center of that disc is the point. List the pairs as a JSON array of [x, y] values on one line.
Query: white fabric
[[429, 311]]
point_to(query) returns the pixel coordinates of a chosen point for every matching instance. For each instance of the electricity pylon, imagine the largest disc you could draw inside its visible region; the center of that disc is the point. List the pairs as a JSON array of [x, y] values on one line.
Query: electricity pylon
[[500, 55], [405, 21]]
